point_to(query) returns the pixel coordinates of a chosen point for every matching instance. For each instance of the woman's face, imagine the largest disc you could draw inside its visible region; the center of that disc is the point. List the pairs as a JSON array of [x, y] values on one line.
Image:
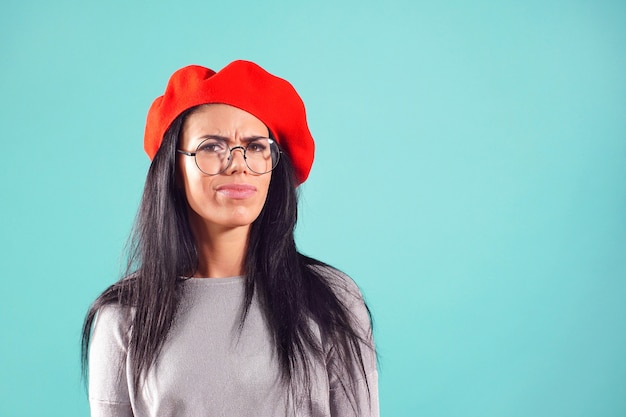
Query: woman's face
[[235, 197]]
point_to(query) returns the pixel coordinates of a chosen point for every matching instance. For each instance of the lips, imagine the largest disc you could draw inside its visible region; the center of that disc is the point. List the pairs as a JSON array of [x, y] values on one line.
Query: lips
[[236, 191]]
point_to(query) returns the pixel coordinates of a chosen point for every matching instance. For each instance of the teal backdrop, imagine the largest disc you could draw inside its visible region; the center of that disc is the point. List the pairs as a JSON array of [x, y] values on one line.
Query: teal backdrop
[[470, 175]]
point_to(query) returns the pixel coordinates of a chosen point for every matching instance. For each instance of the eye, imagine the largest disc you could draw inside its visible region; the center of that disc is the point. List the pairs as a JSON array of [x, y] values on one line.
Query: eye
[[257, 146], [210, 146]]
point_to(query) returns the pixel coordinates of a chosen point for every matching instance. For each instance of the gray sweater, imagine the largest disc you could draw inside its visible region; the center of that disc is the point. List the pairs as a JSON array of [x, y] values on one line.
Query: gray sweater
[[209, 368]]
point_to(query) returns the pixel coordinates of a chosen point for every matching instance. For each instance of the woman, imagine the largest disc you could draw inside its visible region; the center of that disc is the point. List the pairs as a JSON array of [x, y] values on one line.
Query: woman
[[219, 315]]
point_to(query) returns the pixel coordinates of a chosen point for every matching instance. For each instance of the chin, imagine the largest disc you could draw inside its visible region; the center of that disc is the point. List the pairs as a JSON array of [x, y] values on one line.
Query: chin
[[242, 221], [234, 219]]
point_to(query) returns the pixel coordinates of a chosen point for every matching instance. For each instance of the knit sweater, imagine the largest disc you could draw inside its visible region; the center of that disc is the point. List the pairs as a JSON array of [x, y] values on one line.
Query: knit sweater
[[210, 367]]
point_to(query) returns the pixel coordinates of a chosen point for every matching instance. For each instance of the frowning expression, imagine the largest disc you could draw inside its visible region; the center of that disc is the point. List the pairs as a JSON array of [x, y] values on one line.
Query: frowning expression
[[235, 197]]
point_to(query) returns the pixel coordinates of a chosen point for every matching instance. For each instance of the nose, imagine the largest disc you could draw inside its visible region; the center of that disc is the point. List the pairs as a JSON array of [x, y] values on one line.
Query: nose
[[237, 163]]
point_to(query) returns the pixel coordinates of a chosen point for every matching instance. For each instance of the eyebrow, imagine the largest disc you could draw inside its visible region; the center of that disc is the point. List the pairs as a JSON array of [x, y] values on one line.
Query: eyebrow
[[246, 139]]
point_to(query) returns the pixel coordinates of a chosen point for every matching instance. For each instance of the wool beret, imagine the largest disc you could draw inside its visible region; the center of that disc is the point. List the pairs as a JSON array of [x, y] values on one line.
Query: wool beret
[[244, 85]]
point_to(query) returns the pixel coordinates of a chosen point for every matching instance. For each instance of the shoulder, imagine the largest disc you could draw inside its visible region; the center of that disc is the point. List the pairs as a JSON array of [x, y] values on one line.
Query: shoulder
[[114, 313], [348, 293], [342, 285], [112, 324]]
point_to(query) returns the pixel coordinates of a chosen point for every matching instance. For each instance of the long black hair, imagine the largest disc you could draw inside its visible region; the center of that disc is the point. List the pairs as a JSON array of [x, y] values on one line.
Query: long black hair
[[293, 290]]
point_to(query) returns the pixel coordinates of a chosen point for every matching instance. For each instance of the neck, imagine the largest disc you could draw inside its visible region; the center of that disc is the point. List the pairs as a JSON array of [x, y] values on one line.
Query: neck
[[221, 252]]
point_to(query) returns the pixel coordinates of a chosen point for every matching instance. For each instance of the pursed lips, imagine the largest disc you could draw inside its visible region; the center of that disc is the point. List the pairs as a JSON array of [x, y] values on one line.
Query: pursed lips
[[236, 191]]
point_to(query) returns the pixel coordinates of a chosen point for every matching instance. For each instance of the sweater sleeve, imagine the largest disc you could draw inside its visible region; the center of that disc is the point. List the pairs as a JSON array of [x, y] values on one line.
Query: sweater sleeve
[[366, 402], [108, 387]]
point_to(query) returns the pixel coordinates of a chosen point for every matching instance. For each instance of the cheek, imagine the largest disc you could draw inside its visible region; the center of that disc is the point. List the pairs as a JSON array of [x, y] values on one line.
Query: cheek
[[265, 186], [195, 187]]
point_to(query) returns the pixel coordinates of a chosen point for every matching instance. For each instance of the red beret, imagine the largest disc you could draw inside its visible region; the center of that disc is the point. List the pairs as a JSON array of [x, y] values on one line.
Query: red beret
[[241, 84]]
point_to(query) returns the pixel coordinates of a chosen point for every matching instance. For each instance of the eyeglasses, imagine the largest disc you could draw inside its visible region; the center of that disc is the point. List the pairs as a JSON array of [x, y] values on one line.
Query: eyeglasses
[[213, 156]]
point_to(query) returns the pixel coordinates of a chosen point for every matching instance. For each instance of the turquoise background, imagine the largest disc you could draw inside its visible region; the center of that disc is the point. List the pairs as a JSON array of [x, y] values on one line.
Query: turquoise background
[[470, 175]]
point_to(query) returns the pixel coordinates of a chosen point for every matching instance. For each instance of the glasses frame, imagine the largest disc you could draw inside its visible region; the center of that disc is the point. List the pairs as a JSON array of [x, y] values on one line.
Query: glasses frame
[[243, 149]]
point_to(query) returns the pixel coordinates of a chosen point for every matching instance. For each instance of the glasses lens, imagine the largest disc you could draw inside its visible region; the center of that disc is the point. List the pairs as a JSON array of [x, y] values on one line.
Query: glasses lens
[[262, 155], [212, 156]]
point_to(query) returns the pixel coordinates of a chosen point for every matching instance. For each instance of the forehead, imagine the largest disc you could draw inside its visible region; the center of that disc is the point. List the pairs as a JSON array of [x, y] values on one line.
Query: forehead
[[223, 118]]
